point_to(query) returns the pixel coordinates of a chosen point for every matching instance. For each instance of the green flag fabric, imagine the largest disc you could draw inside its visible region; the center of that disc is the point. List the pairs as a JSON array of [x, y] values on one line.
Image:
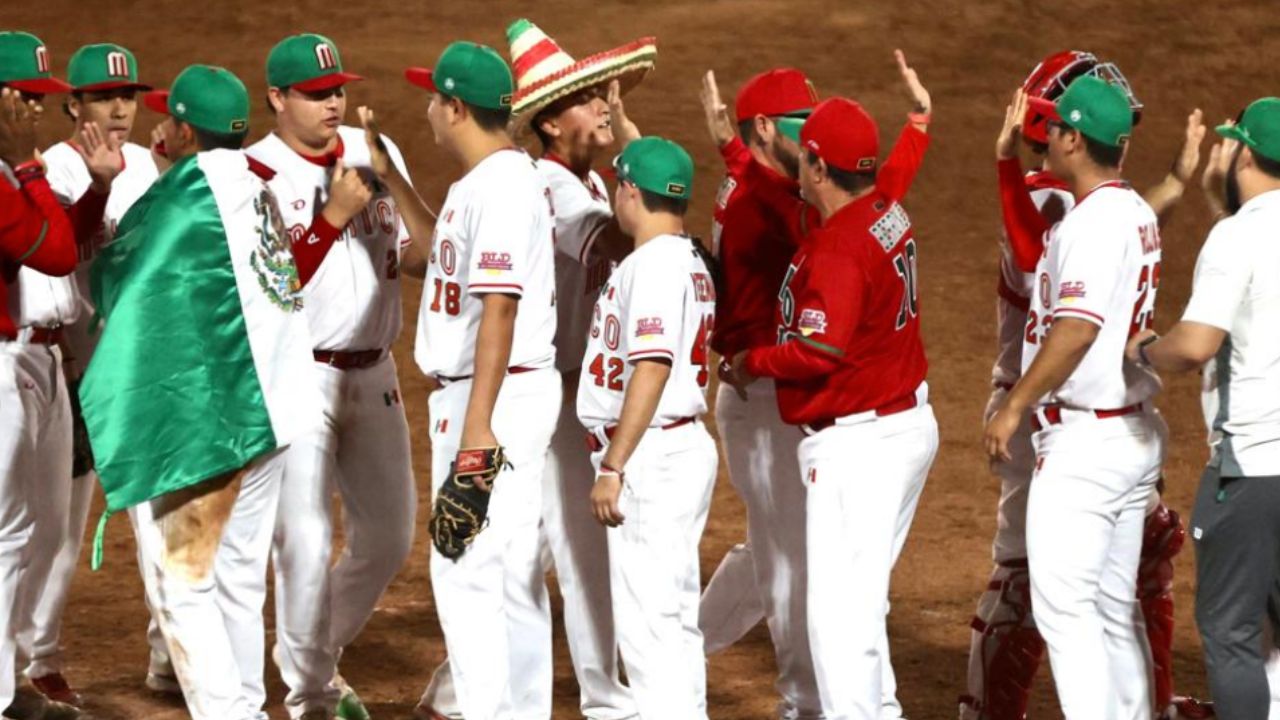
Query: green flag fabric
[[205, 362]]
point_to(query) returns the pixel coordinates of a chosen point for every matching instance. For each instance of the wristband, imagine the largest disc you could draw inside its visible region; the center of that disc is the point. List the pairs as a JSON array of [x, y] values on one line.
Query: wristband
[[1142, 350], [28, 171], [919, 118]]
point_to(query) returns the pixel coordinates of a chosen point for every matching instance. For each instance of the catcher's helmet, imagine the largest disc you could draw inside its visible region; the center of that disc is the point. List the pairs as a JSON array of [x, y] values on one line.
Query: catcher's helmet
[[1052, 76]]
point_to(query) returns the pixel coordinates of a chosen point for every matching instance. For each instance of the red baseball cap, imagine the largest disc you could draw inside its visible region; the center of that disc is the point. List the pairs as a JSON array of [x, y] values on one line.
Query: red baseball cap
[[781, 91], [841, 133]]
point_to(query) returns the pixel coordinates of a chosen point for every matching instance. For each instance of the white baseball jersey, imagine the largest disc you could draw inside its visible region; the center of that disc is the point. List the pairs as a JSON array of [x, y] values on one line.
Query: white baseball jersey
[[495, 234], [1237, 289], [659, 303], [1016, 286], [1101, 265], [353, 300], [582, 212]]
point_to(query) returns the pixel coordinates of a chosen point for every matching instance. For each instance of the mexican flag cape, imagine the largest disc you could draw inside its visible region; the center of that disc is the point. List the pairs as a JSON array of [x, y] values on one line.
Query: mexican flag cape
[[204, 363]]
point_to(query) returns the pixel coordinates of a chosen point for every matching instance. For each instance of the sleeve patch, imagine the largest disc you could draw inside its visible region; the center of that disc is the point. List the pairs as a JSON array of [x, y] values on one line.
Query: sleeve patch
[[1071, 291], [495, 262], [812, 321], [891, 227], [726, 191], [648, 327]]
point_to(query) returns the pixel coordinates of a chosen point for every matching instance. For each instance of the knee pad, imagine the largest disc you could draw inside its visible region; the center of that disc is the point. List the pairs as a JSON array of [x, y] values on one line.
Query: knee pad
[[1008, 648]]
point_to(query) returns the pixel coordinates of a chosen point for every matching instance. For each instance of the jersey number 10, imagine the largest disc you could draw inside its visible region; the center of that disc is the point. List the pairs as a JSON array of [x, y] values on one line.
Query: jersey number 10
[[905, 263]]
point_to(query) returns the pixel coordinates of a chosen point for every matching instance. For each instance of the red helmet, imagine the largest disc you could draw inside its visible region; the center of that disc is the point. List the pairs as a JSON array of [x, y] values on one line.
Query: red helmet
[[1052, 76]]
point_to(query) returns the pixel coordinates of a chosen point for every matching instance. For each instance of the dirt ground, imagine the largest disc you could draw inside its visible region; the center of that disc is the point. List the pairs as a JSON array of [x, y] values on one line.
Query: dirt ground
[[1179, 55]]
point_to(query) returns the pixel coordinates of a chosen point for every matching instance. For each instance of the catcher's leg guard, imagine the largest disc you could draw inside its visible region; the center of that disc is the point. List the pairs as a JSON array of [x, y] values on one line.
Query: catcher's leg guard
[[1162, 539], [1006, 649]]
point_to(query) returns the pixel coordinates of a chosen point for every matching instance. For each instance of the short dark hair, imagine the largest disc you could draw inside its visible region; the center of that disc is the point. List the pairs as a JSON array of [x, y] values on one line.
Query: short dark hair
[[489, 119], [653, 202], [207, 140], [850, 181], [1269, 167], [1108, 156]]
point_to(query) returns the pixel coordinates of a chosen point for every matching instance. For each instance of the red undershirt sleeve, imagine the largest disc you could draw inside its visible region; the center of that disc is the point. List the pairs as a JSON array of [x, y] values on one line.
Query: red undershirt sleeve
[[86, 216], [1023, 223], [795, 359], [34, 229], [903, 164], [310, 251]]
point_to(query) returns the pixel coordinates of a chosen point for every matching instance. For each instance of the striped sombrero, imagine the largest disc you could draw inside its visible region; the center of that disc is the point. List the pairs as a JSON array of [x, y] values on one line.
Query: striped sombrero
[[545, 73]]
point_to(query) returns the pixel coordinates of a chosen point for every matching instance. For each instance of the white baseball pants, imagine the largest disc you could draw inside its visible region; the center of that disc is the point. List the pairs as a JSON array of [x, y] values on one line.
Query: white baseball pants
[[212, 617], [1085, 518], [35, 442], [493, 603], [864, 482], [361, 448], [653, 563]]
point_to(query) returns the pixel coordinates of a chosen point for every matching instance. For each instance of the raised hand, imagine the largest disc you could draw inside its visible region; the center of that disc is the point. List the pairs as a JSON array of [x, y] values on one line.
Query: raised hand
[[624, 130], [919, 95], [719, 126], [348, 195], [1014, 115], [102, 156], [379, 158], [1214, 179], [1184, 166], [17, 127]]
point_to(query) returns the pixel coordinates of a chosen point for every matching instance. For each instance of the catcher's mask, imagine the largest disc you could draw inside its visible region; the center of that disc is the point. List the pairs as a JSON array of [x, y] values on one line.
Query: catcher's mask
[[1052, 76]]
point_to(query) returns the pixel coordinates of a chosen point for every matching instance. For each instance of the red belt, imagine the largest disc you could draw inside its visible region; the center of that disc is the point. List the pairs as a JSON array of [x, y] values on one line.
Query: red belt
[[902, 404], [595, 445], [348, 359], [39, 335], [1053, 414], [515, 370]]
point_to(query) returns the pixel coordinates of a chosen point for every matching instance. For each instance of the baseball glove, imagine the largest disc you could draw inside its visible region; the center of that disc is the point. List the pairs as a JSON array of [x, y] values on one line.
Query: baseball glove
[[461, 508]]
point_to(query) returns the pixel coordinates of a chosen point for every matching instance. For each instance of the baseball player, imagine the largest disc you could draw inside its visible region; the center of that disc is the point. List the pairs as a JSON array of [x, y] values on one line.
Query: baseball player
[[640, 398], [98, 161], [851, 288], [347, 238], [34, 412], [1006, 649], [1225, 329], [1099, 444], [206, 491], [754, 244], [485, 331]]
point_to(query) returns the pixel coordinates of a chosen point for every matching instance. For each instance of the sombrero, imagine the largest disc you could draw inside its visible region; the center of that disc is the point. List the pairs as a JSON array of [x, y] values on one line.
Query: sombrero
[[545, 73]]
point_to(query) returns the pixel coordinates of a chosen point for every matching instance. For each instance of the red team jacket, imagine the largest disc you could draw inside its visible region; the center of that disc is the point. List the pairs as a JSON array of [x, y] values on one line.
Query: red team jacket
[[34, 231], [846, 319]]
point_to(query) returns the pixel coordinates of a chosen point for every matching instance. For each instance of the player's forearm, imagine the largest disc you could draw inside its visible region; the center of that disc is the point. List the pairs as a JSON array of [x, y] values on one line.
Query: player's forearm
[[1066, 344], [1186, 347], [903, 164], [417, 217], [34, 229], [639, 403], [86, 216], [493, 354], [796, 359], [1164, 196], [1023, 224]]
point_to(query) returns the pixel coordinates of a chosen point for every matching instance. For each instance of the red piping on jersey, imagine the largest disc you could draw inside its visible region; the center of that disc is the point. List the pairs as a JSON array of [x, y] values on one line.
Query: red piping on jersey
[[326, 159], [261, 169], [1077, 311], [1011, 296], [641, 354], [509, 286], [792, 360]]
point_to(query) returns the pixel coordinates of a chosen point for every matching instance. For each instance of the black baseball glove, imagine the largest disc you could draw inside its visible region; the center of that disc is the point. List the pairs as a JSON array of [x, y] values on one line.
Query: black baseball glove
[[461, 509]]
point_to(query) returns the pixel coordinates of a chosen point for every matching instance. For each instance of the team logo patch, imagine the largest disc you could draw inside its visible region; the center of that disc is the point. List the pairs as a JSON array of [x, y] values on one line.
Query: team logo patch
[[866, 163], [325, 58], [891, 227], [391, 398], [1071, 291], [495, 262], [42, 59], [811, 321], [648, 327], [675, 188], [117, 64], [726, 191], [272, 260]]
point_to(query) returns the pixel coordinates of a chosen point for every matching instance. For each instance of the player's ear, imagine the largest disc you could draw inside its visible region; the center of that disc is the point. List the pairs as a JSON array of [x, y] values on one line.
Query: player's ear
[[550, 127], [764, 128], [275, 98]]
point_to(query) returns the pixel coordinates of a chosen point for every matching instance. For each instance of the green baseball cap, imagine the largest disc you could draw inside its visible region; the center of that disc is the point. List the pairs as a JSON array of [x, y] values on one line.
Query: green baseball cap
[[210, 98], [24, 64], [471, 72], [657, 165], [790, 125], [307, 62], [103, 66], [1258, 129], [1097, 108]]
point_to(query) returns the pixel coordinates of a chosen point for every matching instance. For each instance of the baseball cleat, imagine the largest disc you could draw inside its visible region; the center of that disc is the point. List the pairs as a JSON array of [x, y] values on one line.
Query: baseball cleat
[[426, 712], [163, 684], [55, 687]]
